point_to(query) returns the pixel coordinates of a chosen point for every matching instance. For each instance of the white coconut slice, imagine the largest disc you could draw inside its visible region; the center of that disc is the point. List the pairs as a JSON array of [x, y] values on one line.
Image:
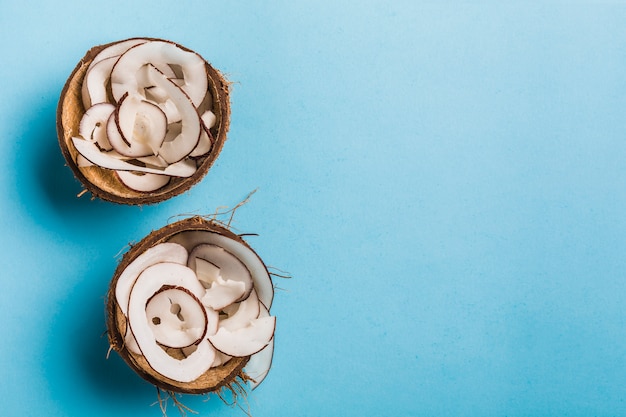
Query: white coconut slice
[[123, 75], [92, 126], [163, 252], [184, 168], [130, 343], [184, 143], [142, 122], [173, 130], [144, 85], [230, 268], [143, 182], [120, 144], [166, 70], [260, 277], [240, 314], [81, 161], [149, 282], [209, 119], [116, 49], [99, 71], [207, 272], [223, 293], [156, 93], [206, 139], [177, 318], [178, 81], [260, 363], [153, 161], [120, 130], [247, 340], [168, 107], [94, 87], [220, 359]]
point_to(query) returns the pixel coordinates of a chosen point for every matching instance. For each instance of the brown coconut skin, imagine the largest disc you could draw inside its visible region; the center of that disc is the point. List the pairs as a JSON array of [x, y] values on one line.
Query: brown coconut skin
[[214, 378], [104, 183]]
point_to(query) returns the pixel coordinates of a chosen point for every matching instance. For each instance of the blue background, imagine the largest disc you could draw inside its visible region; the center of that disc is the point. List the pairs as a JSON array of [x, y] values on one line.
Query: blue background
[[445, 181]]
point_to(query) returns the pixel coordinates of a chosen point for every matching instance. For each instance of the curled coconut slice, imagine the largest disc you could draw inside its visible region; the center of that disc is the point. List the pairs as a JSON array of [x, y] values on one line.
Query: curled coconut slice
[[260, 276], [178, 319], [142, 181], [93, 125], [227, 279], [185, 308], [260, 363], [149, 283], [131, 103]]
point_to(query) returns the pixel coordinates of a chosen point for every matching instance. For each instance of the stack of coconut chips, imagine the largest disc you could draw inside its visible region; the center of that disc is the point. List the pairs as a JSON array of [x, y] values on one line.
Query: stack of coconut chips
[[196, 302], [148, 113]]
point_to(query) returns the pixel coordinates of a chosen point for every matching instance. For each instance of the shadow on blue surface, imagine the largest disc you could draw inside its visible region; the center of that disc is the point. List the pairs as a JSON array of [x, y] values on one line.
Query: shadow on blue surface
[[58, 188], [46, 190], [78, 346]]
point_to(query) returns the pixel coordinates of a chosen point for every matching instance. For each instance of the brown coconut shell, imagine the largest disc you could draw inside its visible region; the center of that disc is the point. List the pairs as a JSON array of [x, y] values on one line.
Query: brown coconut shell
[[104, 183], [214, 378]]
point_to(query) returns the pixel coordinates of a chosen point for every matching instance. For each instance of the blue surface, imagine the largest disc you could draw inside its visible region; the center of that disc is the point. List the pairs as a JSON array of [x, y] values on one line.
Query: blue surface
[[445, 182]]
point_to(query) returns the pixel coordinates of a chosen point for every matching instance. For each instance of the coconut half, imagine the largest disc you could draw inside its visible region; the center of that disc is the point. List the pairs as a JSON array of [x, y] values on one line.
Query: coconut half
[[142, 106], [185, 308]]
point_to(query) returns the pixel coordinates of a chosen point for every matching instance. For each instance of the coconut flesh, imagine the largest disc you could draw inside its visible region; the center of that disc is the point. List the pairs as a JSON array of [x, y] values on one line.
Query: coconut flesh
[[152, 115], [193, 307]]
